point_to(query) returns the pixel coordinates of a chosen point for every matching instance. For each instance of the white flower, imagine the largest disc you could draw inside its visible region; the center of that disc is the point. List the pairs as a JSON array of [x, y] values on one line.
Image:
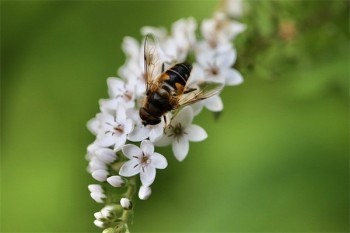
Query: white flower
[[159, 32], [98, 196], [126, 203], [93, 125], [142, 160], [115, 181], [213, 103], [183, 31], [100, 175], [220, 29], [144, 192], [131, 48], [180, 132], [114, 129], [99, 224], [141, 132], [234, 8], [119, 92], [216, 65], [133, 69]]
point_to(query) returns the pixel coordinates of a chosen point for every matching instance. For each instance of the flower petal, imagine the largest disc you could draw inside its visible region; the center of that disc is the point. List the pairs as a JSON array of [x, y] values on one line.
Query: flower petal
[[147, 175], [180, 147], [115, 86], [128, 126], [226, 58], [139, 133], [184, 117], [197, 108], [156, 133], [130, 168], [93, 125], [163, 141], [158, 161], [119, 142], [120, 114], [196, 133], [147, 147], [105, 139], [131, 150], [233, 77], [214, 103]]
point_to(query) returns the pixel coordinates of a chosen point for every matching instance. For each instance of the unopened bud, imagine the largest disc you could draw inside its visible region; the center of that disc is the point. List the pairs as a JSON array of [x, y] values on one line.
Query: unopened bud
[[144, 192], [100, 175], [115, 181], [106, 155], [126, 203]]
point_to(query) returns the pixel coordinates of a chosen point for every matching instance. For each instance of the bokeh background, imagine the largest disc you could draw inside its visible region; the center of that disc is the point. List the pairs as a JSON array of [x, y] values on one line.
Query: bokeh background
[[275, 161]]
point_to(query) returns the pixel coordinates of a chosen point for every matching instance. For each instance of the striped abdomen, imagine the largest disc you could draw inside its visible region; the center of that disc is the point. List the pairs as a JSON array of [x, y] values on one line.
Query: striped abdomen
[[171, 84]]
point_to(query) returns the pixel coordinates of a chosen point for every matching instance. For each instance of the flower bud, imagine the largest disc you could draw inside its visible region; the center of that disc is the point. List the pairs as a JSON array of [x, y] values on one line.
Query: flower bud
[[126, 203], [99, 216], [116, 181], [98, 197], [95, 188], [96, 164], [100, 175], [144, 192], [106, 155], [99, 224]]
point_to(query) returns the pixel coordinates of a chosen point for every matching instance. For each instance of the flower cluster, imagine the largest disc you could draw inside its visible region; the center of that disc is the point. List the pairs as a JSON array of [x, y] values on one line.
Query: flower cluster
[[124, 147]]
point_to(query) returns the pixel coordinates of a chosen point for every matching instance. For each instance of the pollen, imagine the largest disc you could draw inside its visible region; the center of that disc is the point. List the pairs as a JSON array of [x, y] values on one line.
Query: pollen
[[178, 129], [145, 160], [119, 129]]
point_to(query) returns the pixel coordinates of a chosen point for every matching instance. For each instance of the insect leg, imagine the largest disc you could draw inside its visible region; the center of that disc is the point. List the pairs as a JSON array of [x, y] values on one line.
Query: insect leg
[[189, 90]]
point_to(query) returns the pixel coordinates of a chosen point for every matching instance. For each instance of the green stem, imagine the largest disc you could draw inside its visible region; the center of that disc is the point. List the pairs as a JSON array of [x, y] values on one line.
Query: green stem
[[129, 193]]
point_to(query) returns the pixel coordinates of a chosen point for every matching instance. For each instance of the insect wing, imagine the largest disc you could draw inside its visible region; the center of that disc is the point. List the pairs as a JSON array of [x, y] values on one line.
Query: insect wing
[[201, 91], [152, 60]]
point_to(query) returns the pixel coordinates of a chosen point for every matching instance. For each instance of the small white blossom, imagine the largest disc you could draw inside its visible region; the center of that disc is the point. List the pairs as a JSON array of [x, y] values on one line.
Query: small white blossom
[[126, 203], [106, 155], [98, 196], [216, 65], [95, 188], [115, 181], [99, 224], [142, 160], [96, 164], [114, 129], [106, 213], [180, 132], [145, 192], [233, 8], [100, 175], [141, 132], [119, 92], [220, 29]]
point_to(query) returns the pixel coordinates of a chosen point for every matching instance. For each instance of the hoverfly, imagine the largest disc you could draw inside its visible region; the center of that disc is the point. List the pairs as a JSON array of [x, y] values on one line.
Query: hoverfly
[[168, 90]]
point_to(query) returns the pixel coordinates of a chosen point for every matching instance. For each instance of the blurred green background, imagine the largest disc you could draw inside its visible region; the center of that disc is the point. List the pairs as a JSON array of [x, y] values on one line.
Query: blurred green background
[[276, 160]]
